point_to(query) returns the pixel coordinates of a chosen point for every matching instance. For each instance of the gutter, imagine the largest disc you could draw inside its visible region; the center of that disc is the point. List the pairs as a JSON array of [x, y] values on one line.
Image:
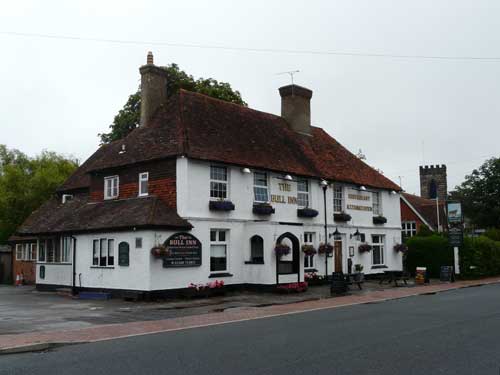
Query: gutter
[[73, 287]]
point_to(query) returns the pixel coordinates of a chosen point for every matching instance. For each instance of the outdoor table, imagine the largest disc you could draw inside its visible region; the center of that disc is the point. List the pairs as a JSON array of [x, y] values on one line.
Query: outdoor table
[[393, 277]]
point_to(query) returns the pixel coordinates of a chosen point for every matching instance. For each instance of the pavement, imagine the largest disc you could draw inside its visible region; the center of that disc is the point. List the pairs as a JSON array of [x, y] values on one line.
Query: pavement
[[443, 333], [180, 315]]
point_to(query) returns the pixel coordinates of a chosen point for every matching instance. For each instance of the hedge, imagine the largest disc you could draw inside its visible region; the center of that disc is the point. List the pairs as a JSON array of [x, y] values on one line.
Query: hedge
[[480, 257], [431, 251]]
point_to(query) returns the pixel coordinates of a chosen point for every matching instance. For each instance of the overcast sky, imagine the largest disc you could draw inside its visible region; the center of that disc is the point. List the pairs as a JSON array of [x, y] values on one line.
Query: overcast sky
[[58, 94]]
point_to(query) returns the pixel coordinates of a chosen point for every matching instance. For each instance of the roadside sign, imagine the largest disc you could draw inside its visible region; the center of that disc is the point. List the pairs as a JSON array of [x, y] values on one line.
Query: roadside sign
[[456, 236], [454, 210]]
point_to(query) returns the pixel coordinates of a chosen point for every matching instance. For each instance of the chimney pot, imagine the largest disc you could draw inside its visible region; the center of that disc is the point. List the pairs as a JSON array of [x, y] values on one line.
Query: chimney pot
[[149, 60], [296, 108]]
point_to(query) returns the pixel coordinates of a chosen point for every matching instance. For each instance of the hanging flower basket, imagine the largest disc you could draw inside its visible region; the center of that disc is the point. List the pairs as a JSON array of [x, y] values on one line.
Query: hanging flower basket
[[281, 249], [400, 248], [379, 220], [221, 205], [262, 209], [325, 249], [306, 212], [342, 217], [364, 248], [160, 251], [308, 249]]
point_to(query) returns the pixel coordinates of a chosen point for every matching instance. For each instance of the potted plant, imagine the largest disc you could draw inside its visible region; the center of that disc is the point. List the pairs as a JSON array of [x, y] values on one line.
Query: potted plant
[[325, 248], [400, 248], [281, 249], [358, 276], [307, 212], [342, 217], [160, 251], [213, 288], [221, 205], [364, 248], [379, 219], [308, 249], [262, 209], [358, 268], [313, 278]]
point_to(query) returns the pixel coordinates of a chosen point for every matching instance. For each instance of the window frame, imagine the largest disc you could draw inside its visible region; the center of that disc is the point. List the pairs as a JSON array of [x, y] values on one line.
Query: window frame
[[336, 190], [102, 260], [381, 246], [309, 259], [41, 246], [266, 187], [254, 259], [376, 203], [214, 180], [66, 249], [219, 242], [107, 179], [138, 242], [306, 193], [408, 228], [143, 177]]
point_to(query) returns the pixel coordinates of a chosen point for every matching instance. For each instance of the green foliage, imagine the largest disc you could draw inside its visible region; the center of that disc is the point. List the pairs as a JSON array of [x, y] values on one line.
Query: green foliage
[[128, 117], [424, 231], [493, 234], [480, 257], [25, 183], [431, 251], [480, 195]]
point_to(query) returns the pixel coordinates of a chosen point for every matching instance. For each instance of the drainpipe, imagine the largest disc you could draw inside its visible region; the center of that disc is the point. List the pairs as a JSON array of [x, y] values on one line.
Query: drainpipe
[[324, 185], [73, 287]]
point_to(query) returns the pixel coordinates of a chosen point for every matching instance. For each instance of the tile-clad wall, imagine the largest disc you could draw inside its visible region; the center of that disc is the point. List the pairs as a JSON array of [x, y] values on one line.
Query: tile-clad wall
[[161, 181]]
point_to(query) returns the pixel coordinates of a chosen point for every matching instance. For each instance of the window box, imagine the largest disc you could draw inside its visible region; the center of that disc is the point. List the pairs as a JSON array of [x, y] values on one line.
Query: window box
[[306, 212], [379, 220], [263, 209], [221, 206], [342, 216]]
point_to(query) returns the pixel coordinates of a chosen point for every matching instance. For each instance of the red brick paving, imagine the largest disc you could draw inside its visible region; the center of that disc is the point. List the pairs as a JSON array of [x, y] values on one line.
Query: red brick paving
[[112, 331]]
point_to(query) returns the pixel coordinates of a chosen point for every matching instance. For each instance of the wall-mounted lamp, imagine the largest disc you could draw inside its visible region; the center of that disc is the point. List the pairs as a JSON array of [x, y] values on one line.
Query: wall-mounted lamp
[[323, 183], [336, 233], [362, 188], [288, 177], [246, 170], [122, 150], [356, 234], [393, 192]]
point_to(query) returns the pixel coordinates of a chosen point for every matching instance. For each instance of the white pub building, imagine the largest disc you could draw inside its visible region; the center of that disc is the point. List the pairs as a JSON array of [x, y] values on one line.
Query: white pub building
[[205, 190]]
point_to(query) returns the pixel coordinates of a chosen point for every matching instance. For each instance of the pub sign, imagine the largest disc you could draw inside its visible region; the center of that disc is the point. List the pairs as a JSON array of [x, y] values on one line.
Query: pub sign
[[183, 250]]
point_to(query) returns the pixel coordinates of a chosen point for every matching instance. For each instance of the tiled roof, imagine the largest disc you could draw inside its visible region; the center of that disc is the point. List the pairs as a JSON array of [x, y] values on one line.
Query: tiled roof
[[427, 209], [205, 128], [80, 215]]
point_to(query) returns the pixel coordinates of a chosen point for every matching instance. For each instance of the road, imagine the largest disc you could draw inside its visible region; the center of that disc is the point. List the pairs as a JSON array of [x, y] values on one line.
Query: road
[[454, 332]]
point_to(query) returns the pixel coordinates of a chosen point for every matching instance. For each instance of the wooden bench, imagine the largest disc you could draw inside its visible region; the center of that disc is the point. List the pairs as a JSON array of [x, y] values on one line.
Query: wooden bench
[[394, 277]]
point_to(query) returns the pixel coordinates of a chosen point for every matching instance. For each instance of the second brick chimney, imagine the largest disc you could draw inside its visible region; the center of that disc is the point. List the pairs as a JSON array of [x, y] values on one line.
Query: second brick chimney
[[296, 108], [153, 89]]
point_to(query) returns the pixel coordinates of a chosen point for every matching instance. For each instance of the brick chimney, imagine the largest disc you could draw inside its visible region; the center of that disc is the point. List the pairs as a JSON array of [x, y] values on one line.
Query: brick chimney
[[296, 108], [153, 89]]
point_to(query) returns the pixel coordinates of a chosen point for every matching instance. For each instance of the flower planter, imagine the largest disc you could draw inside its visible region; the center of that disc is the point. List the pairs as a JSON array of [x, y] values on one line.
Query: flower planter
[[325, 249], [379, 220], [308, 249], [262, 209], [400, 248], [281, 250], [364, 248], [306, 212], [341, 217], [221, 206], [160, 251], [292, 288]]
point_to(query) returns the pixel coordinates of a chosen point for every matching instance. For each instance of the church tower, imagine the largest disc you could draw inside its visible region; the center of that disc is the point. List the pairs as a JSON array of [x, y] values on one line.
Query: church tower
[[433, 182]]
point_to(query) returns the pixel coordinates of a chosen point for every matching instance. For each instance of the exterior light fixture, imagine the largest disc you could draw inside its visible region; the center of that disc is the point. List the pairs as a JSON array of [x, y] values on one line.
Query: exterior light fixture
[[123, 150], [288, 177], [393, 192], [362, 187], [336, 233], [246, 170], [356, 234], [323, 183]]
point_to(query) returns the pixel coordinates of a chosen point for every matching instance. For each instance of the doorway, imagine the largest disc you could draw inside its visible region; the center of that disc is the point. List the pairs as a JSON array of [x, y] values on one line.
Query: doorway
[[287, 267], [337, 254]]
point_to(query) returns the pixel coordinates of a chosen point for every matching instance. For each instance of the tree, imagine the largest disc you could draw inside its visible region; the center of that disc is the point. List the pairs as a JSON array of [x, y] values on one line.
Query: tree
[[25, 183], [480, 195], [128, 117]]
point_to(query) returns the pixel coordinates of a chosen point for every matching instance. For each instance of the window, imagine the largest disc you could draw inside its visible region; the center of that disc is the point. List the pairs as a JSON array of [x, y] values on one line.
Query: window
[[378, 249], [103, 252], [260, 187], [408, 229], [67, 247], [257, 249], [433, 189], [33, 251], [111, 189], [41, 251], [143, 183], [138, 242], [308, 259], [50, 250], [303, 193], [19, 251], [218, 250], [376, 204], [218, 182], [338, 199]]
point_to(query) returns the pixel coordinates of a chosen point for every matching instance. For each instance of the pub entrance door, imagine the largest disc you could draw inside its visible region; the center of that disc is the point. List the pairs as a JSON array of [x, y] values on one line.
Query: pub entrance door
[[337, 255]]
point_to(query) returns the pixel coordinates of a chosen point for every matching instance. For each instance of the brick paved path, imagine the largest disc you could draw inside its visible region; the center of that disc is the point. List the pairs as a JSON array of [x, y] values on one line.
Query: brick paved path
[[113, 331]]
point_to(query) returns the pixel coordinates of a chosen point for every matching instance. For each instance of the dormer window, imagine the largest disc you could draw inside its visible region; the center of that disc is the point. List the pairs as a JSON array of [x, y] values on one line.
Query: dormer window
[[111, 187], [143, 184]]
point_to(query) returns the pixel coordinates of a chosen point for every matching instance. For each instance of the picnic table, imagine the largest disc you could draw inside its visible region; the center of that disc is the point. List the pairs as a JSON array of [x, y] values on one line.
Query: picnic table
[[394, 277]]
